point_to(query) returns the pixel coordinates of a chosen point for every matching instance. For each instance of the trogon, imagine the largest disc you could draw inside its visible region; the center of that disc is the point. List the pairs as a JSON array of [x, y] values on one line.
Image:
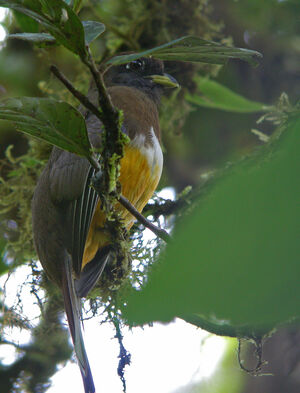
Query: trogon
[[68, 223]]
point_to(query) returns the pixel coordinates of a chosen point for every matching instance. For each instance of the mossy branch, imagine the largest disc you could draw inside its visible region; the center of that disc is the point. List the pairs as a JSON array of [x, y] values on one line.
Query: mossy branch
[[110, 118]]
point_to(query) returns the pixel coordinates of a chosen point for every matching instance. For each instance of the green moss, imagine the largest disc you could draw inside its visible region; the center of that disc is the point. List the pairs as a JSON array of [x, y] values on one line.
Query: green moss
[[16, 191]]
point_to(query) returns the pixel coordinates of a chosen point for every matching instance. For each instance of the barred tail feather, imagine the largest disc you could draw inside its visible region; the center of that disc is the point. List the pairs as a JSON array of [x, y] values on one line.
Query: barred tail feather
[[73, 311]]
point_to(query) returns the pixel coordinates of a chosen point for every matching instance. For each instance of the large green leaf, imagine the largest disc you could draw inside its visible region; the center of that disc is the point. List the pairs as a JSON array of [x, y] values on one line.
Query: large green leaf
[[194, 49], [57, 17], [235, 261], [214, 95], [52, 121]]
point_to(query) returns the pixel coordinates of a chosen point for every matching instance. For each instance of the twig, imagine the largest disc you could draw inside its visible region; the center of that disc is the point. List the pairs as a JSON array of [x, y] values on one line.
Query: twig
[[113, 137], [94, 162], [5, 342], [108, 110], [159, 232], [76, 93], [84, 101]]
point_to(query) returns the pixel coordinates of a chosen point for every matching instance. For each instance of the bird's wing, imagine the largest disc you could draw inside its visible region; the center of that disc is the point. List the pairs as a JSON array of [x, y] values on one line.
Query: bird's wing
[[92, 271], [83, 210], [70, 185], [70, 188], [67, 176]]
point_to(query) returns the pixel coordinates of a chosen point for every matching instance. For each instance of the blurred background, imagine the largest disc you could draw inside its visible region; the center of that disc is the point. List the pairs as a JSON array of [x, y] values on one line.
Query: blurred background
[[196, 140]]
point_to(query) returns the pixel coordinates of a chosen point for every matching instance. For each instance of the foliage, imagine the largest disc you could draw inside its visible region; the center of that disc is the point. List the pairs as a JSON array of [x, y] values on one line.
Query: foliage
[[192, 49], [52, 121], [246, 256], [58, 18], [16, 193], [52, 17], [239, 247]]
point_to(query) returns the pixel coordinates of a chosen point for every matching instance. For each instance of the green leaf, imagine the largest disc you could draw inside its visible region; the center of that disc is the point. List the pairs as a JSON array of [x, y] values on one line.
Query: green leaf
[[33, 37], [92, 30], [57, 17], [193, 49], [3, 266], [26, 23], [52, 121], [235, 259], [214, 95]]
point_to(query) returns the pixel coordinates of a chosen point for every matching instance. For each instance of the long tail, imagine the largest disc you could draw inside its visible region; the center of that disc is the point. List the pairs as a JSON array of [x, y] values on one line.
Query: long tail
[[73, 311]]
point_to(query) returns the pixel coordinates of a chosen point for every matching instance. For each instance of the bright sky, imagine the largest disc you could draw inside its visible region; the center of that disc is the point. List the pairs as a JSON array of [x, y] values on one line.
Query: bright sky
[[3, 12], [164, 357]]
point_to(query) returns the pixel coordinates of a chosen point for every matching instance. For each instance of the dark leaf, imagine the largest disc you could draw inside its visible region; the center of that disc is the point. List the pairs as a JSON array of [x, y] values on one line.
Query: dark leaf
[[52, 121], [193, 49]]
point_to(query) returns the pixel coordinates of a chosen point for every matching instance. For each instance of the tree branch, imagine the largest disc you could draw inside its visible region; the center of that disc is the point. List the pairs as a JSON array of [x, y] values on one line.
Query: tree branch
[[76, 93], [159, 232], [109, 112]]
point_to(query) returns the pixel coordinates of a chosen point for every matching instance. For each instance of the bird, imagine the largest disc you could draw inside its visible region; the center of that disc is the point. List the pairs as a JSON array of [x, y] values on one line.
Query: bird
[[70, 237]]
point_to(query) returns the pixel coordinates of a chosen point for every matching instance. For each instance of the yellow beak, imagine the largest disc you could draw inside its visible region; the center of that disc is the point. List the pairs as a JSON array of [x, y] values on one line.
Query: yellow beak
[[165, 80]]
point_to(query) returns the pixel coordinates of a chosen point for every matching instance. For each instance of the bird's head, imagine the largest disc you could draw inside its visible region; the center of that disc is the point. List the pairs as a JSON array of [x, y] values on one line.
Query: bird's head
[[146, 74]]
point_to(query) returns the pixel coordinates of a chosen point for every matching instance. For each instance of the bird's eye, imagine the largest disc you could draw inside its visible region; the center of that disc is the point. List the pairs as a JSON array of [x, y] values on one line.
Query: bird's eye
[[135, 65]]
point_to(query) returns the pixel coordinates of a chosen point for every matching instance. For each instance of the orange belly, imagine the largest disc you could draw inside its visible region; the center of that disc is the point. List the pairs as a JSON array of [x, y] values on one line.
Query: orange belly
[[138, 182]]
